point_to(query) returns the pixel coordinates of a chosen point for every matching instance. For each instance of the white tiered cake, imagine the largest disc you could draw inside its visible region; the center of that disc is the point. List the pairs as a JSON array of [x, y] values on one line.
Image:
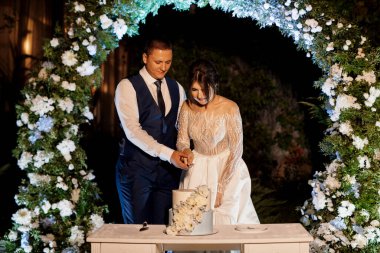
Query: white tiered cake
[[191, 213]]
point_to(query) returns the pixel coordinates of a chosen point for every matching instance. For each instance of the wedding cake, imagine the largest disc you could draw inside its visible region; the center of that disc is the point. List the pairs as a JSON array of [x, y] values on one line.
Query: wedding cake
[[191, 213]]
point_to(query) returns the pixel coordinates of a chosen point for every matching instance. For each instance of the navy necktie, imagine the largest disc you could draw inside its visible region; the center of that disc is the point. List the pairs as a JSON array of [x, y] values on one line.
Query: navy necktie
[[160, 98]]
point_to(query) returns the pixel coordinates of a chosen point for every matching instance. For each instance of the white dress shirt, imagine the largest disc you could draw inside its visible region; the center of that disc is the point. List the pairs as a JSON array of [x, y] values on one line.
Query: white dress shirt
[[128, 111]]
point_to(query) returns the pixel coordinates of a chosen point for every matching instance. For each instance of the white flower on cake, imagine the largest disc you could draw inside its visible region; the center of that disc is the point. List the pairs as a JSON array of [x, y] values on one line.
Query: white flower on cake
[[190, 212]]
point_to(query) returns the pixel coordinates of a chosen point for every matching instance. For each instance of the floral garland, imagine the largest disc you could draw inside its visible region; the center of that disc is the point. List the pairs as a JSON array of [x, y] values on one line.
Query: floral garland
[[189, 213], [58, 200]]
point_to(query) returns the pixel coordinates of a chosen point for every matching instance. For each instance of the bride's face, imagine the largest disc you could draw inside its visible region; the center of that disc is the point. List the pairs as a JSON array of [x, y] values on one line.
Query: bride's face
[[198, 93]]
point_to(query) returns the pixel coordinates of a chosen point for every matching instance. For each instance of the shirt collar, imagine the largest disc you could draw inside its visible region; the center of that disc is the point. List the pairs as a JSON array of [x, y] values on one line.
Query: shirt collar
[[147, 77]]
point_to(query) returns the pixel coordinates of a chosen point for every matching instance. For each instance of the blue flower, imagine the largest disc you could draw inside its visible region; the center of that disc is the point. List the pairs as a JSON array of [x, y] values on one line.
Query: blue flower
[[338, 223], [45, 123], [36, 135]]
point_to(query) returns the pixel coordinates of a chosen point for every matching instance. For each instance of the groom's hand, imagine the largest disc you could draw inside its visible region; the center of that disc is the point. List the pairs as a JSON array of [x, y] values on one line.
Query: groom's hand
[[178, 159]]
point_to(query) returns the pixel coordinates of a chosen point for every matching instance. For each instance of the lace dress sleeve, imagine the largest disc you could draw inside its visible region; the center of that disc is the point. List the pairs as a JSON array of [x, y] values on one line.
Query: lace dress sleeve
[[183, 139], [235, 142]]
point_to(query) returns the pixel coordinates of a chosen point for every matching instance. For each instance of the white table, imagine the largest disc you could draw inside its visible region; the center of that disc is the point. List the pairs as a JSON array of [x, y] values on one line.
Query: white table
[[277, 238]]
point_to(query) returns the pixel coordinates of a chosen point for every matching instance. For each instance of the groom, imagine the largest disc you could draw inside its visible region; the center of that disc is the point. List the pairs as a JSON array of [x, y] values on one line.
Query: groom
[[147, 105]]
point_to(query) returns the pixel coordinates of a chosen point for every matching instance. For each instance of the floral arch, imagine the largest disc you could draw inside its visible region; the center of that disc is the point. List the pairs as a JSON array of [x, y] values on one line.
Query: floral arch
[[57, 200]]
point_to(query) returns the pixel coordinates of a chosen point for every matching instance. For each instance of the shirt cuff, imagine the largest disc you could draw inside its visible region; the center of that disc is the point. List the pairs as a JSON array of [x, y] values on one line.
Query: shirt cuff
[[166, 153]]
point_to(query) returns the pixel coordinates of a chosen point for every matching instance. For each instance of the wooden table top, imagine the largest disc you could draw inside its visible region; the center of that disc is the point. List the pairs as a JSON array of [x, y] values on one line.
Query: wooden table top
[[224, 234]]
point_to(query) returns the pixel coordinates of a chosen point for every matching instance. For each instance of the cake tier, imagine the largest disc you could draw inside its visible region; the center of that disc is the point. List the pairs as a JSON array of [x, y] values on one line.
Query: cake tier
[[182, 194], [203, 228]]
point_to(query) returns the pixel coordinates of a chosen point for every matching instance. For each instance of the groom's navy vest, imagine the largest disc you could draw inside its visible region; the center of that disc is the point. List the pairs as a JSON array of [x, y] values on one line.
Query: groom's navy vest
[[161, 128]]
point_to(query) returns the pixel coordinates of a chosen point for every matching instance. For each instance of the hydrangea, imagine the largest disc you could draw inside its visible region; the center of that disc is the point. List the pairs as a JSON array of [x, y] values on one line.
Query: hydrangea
[[86, 69], [69, 58], [66, 147]]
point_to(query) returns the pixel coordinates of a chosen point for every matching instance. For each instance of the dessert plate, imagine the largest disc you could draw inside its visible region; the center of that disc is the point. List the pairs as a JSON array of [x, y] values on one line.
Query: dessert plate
[[251, 228]]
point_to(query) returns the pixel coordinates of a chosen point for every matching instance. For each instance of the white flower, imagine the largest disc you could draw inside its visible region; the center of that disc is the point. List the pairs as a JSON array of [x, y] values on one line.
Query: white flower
[[87, 113], [332, 183], [48, 65], [364, 39], [68, 86], [328, 87], [319, 198], [360, 241], [24, 160], [346, 209], [62, 186], [73, 130], [368, 76], [41, 105], [375, 223], [105, 21], [54, 42], [66, 104], [76, 237], [37, 180], [23, 217], [119, 28], [360, 54], [65, 207], [45, 206], [85, 42], [344, 101], [91, 49], [96, 221], [91, 38], [27, 248], [75, 46], [330, 47], [89, 176], [358, 142], [371, 97], [79, 7], [56, 78], [47, 238], [86, 68], [69, 58], [43, 74], [346, 128], [12, 236], [42, 157], [70, 32], [364, 162], [66, 147]]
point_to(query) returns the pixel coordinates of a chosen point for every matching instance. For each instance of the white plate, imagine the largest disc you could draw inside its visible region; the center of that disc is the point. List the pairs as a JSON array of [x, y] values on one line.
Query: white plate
[[251, 228]]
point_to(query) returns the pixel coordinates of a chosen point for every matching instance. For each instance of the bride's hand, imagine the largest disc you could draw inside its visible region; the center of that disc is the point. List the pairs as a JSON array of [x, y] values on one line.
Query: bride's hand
[[190, 156], [218, 200]]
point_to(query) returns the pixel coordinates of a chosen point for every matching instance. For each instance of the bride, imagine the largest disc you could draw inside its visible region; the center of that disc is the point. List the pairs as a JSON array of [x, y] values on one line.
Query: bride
[[213, 124]]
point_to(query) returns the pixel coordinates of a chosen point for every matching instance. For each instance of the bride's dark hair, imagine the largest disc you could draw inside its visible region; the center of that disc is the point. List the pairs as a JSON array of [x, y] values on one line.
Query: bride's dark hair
[[203, 72]]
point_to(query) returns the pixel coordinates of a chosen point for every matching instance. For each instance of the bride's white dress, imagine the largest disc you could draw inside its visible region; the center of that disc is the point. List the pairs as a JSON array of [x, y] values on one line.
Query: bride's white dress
[[218, 148]]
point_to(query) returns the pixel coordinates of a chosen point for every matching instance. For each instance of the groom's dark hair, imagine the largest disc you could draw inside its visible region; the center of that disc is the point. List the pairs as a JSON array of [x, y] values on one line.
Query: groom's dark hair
[[157, 42]]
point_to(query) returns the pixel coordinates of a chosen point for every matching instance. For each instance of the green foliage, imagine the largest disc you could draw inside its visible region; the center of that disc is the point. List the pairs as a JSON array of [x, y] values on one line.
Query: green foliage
[[268, 206]]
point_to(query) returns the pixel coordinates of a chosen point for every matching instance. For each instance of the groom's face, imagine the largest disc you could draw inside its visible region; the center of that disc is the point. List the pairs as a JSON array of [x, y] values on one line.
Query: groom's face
[[158, 62]]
